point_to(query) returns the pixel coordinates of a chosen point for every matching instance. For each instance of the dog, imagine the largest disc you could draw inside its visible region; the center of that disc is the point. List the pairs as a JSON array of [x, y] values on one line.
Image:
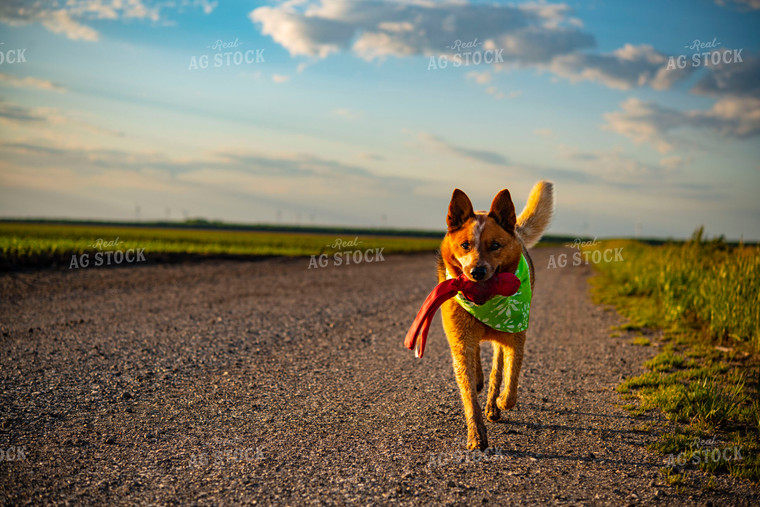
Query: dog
[[481, 245]]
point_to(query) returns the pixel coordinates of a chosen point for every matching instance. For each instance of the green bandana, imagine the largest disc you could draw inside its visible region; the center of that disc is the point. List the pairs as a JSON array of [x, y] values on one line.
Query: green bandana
[[508, 314]]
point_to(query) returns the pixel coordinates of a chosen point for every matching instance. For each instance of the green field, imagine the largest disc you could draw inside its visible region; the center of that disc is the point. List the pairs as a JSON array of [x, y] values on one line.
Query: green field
[[700, 300], [47, 244]]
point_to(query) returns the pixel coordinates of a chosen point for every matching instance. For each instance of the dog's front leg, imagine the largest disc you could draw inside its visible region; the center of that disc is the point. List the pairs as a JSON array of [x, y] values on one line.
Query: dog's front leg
[[464, 333], [478, 370], [494, 384], [463, 355], [513, 356]]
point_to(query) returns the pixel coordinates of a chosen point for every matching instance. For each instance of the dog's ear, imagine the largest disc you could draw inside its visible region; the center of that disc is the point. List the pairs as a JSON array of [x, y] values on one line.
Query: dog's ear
[[460, 209], [503, 211]]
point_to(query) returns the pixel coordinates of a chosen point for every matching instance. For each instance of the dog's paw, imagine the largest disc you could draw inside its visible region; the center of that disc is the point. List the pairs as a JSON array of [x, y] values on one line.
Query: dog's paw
[[505, 403], [477, 440], [493, 413], [475, 445]]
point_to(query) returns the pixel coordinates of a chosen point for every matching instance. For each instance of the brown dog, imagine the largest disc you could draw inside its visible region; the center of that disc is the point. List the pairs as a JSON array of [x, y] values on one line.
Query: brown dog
[[480, 245]]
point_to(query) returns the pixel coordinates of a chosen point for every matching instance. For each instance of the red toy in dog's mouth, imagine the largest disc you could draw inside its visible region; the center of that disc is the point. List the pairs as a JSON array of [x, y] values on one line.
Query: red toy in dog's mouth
[[503, 284]]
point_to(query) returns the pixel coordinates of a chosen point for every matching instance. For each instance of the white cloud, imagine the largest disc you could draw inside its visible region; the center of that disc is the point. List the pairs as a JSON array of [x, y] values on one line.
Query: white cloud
[[537, 45], [280, 78], [312, 37], [30, 82], [61, 22], [625, 68], [538, 34], [69, 18], [737, 78], [647, 122], [113, 9], [207, 6], [732, 116], [377, 30], [644, 122]]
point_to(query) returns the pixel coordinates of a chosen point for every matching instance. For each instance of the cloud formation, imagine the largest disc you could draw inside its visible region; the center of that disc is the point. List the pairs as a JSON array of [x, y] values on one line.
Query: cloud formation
[[44, 117], [735, 114], [379, 29], [69, 17], [483, 156], [29, 82], [54, 17], [647, 122], [254, 184], [12, 113], [244, 170], [540, 35], [625, 68], [741, 79]]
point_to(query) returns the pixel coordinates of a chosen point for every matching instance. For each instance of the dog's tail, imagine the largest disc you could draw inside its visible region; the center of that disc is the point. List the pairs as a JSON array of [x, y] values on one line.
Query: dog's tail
[[537, 214]]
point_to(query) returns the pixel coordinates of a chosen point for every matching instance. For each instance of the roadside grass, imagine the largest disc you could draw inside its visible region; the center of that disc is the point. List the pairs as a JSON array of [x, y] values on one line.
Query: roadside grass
[[704, 296], [31, 244], [641, 341]]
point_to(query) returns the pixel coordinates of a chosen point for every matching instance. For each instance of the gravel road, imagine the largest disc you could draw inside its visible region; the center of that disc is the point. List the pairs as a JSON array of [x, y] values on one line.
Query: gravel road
[[265, 382]]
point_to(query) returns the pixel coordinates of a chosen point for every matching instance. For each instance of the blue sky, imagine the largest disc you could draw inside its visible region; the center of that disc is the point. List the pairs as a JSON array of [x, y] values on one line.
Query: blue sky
[[345, 121]]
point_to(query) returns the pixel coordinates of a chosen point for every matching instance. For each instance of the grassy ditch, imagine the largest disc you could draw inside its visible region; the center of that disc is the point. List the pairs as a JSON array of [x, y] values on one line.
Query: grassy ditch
[[704, 296]]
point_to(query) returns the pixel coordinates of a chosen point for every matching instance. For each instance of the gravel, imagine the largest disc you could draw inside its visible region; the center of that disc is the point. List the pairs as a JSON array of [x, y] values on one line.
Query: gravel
[[230, 382]]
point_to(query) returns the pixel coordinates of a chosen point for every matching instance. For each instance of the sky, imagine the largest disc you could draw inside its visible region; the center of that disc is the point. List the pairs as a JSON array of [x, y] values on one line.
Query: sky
[[645, 115]]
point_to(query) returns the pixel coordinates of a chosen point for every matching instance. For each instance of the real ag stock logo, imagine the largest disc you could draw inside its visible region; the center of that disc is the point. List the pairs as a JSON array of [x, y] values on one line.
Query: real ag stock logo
[[705, 452], [341, 257], [585, 254], [467, 54], [226, 54], [107, 254], [700, 58]]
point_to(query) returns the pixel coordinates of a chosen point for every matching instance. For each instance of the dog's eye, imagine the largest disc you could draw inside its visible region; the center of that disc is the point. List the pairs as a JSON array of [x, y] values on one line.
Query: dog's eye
[[495, 246], [465, 245]]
